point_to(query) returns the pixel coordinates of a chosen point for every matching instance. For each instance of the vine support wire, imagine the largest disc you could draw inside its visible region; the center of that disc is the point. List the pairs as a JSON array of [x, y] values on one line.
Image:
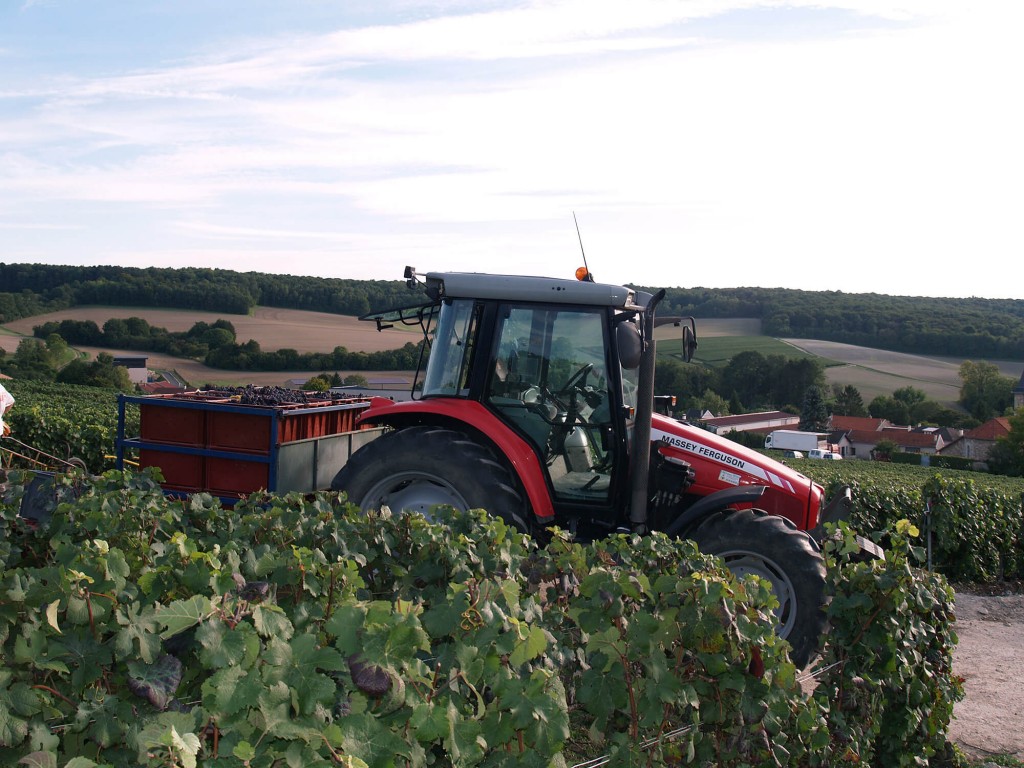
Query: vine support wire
[[596, 762], [928, 530]]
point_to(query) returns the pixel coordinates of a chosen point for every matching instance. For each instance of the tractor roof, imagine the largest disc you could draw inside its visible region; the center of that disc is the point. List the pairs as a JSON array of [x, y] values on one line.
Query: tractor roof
[[475, 285]]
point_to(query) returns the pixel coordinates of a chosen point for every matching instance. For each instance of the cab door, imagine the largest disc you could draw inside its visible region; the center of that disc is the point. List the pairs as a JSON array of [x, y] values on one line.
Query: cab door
[[549, 381]]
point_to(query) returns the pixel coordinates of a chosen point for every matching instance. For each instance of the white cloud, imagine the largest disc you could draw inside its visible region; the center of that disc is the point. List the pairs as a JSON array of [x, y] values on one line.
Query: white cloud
[[689, 152]]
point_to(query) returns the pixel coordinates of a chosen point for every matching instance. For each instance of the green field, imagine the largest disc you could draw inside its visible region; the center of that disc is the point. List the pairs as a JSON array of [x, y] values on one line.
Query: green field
[[872, 371], [716, 351]]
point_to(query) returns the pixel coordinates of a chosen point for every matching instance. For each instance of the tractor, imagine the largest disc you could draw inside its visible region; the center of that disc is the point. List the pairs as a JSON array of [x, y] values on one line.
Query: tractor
[[536, 403]]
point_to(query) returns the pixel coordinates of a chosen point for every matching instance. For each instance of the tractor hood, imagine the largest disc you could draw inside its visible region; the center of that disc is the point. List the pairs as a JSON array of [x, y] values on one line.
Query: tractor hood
[[720, 463]]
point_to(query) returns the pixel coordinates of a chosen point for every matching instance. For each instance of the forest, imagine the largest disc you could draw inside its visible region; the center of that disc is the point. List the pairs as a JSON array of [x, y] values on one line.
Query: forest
[[983, 328]]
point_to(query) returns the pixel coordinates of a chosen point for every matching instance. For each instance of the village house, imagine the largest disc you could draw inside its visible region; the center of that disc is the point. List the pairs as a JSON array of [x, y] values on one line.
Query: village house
[[857, 436], [138, 373], [764, 421], [975, 444]]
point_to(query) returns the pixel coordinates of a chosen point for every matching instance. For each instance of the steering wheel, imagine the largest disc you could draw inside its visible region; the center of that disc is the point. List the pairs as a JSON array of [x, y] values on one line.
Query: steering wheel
[[576, 379]]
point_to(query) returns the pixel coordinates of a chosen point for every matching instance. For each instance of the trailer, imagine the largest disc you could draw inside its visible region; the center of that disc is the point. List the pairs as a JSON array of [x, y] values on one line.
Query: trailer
[[222, 443], [793, 440]]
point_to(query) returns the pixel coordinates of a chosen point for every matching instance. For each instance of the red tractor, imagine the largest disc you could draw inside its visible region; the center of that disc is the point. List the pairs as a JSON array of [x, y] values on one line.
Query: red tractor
[[537, 404]]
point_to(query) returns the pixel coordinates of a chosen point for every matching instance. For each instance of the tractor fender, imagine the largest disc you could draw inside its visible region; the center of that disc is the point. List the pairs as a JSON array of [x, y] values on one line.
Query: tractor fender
[[471, 415], [714, 502]]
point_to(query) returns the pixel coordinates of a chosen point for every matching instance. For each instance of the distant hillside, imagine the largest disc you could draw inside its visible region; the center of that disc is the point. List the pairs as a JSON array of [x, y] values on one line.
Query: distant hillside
[[990, 329]]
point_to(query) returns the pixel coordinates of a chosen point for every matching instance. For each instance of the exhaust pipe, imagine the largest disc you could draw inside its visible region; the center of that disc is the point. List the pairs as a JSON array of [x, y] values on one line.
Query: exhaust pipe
[[641, 454]]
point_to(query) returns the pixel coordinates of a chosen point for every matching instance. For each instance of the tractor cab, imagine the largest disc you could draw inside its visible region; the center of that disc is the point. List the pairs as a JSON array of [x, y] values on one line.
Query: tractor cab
[[557, 362], [536, 403]]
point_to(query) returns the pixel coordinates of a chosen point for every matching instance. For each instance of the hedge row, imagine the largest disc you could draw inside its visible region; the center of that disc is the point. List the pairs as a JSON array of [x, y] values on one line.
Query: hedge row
[[293, 631], [976, 532]]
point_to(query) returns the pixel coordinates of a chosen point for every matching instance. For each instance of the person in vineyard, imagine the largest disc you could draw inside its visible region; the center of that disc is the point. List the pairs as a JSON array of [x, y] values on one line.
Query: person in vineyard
[[6, 401]]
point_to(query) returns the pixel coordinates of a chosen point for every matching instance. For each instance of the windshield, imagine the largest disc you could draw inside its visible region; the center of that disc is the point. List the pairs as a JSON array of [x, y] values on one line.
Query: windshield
[[451, 351]]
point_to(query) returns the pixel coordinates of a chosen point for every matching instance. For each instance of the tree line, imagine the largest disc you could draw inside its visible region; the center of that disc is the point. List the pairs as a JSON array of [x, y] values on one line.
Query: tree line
[[215, 345], [32, 289], [974, 327], [752, 382]]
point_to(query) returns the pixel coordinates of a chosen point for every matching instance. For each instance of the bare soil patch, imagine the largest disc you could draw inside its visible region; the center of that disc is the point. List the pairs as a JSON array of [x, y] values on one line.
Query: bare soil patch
[[880, 372], [990, 658], [197, 374], [272, 328]]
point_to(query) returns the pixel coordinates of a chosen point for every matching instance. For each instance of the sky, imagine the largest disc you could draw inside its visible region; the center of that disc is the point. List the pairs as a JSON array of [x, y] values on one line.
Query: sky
[[843, 145]]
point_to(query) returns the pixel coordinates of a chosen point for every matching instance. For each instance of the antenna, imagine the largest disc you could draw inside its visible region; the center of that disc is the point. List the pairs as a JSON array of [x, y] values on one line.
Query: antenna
[[590, 276]]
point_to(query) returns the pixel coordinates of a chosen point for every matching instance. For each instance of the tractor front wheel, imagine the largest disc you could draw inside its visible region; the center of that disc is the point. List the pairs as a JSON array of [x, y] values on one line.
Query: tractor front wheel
[[753, 542], [416, 468]]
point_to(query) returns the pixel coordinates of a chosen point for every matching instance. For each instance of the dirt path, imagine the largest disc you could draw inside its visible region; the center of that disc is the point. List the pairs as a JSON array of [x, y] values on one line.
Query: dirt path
[[990, 658]]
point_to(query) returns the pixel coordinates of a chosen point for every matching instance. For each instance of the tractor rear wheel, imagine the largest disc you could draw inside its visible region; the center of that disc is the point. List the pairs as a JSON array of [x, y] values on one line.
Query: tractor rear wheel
[[753, 542], [416, 468]]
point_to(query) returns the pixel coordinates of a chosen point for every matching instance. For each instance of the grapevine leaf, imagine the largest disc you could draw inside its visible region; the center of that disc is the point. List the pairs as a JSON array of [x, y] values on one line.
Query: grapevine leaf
[[42, 739], [271, 621], [232, 689], [183, 614], [345, 624], [118, 570], [441, 619], [365, 737], [465, 739], [430, 723], [183, 745], [224, 646], [16, 703], [51, 615], [244, 751], [273, 702], [80, 762], [156, 683], [13, 729], [309, 685], [100, 718], [138, 633], [602, 695], [39, 760], [156, 732], [535, 643]]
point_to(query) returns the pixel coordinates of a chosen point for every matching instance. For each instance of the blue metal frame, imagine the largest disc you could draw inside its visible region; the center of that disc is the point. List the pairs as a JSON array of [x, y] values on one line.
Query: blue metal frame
[[270, 457]]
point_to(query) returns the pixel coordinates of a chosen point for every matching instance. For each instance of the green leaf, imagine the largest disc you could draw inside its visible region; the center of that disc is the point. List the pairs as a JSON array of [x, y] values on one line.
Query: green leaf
[[244, 751], [51, 615], [183, 614], [530, 647], [271, 621], [138, 633], [39, 760], [224, 646], [156, 683], [345, 624], [366, 738], [156, 735], [81, 762], [230, 690], [16, 703]]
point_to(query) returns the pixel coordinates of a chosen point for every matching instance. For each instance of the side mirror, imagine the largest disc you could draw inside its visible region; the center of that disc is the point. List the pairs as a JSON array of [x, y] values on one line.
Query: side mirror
[[689, 341], [631, 348]]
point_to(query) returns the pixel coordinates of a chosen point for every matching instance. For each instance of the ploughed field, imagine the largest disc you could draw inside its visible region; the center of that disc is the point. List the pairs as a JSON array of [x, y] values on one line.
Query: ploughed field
[[872, 371]]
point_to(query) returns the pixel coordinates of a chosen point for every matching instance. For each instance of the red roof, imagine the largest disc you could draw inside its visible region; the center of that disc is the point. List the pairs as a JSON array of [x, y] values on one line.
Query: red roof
[[901, 437], [747, 418], [990, 430], [160, 388], [864, 423]]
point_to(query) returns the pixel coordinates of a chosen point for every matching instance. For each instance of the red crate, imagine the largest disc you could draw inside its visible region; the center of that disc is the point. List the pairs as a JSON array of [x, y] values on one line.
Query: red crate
[[234, 477], [238, 432], [181, 471], [174, 426]]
